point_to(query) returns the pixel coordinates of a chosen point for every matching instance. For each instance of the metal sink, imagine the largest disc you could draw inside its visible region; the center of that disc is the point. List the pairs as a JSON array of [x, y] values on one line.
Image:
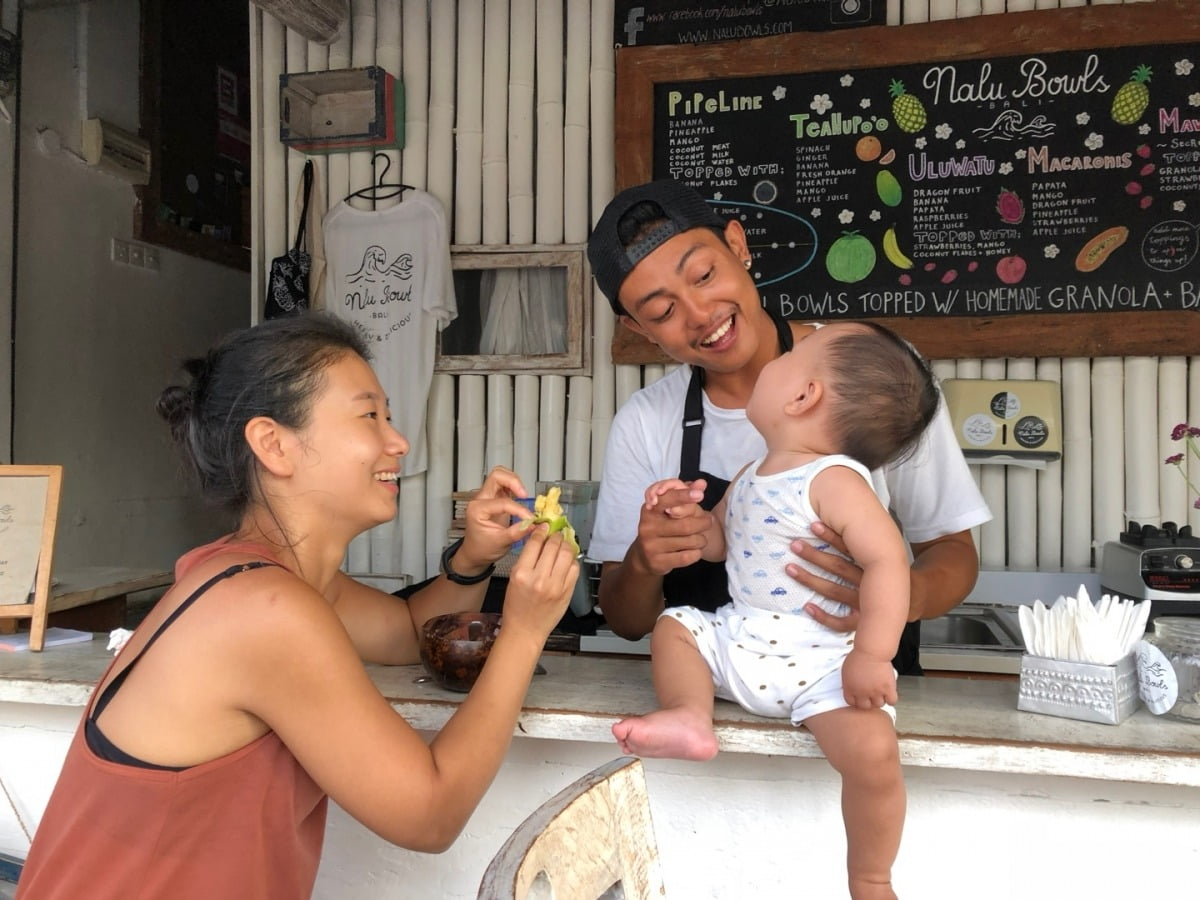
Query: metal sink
[[974, 627]]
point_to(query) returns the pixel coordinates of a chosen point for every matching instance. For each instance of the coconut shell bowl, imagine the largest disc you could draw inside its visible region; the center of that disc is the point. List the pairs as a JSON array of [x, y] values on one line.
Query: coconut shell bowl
[[455, 646]]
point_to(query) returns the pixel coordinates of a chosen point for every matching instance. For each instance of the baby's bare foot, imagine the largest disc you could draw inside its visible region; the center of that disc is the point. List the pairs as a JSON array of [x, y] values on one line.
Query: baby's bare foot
[[669, 733]]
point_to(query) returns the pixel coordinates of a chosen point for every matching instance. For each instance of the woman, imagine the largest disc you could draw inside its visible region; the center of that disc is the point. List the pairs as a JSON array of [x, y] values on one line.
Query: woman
[[206, 754]]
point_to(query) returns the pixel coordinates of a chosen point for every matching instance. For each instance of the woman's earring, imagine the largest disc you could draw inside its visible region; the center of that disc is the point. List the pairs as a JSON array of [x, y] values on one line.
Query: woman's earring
[[747, 263]]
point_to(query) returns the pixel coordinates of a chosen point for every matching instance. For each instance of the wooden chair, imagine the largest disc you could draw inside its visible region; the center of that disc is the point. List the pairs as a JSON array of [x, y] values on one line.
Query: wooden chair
[[593, 839]]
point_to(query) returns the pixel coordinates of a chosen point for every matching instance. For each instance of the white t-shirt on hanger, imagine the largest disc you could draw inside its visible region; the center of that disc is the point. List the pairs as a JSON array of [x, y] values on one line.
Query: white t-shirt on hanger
[[388, 271]]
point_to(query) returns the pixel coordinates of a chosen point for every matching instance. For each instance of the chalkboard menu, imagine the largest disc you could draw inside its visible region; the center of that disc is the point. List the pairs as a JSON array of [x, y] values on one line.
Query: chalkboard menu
[[953, 183], [1065, 182]]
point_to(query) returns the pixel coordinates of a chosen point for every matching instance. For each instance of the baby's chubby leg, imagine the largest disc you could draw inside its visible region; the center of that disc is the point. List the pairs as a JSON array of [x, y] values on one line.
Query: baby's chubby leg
[[682, 727], [861, 744]]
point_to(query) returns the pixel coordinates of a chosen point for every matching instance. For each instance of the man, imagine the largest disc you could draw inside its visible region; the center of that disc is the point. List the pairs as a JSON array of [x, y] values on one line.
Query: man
[[677, 274]]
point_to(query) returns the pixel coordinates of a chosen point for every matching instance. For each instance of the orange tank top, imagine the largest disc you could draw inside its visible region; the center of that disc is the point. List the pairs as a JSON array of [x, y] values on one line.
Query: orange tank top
[[247, 825]]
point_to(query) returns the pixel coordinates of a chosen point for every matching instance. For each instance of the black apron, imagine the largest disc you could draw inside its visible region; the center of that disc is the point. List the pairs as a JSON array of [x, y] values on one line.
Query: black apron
[[704, 584]]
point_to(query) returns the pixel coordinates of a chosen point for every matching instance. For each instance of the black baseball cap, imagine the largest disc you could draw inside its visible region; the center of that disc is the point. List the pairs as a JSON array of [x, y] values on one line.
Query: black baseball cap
[[682, 209]]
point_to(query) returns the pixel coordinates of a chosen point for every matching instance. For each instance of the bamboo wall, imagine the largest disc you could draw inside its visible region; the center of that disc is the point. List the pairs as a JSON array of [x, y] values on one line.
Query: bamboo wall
[[509, 107]]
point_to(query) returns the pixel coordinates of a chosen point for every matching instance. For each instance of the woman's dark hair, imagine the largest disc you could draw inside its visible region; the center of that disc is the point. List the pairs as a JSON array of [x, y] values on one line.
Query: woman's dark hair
[[886, 395], [275, 369]]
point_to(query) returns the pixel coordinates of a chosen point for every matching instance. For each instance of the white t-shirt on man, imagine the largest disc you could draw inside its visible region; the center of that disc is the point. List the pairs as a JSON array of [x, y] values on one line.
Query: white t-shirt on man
[[931, 493]]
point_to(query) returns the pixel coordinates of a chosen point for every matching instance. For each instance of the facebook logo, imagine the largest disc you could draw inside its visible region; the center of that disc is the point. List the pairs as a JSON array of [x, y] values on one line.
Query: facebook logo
[[634, 23]]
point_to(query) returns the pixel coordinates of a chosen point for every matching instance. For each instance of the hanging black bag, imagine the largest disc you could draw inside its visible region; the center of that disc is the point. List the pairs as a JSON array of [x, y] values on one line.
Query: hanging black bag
[[287, 286]]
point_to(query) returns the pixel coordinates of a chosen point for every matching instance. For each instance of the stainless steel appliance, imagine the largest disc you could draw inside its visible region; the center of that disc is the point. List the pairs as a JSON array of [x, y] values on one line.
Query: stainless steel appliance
[[1161, 565]]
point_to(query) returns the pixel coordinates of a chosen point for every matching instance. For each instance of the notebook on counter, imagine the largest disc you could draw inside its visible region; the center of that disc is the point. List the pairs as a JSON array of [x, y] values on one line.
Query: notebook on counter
[[54, 637]]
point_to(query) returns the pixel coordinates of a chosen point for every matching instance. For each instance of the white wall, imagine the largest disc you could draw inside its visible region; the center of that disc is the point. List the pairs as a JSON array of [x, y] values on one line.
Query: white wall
[[96, 341]]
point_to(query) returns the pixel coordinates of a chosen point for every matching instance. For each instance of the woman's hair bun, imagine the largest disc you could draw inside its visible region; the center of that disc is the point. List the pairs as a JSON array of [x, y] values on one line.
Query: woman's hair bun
[[174, 405], [176, 402]]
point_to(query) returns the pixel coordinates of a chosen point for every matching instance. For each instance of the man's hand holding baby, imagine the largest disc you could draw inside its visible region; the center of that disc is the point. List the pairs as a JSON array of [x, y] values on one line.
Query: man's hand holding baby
[[672, 527]]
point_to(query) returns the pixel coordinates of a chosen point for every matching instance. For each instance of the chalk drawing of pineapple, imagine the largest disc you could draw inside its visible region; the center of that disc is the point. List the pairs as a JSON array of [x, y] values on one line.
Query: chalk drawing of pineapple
[[907, 110], [1133, 97]]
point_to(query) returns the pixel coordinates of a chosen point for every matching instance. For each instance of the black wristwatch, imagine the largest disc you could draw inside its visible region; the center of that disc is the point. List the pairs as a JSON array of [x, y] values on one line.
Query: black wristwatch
[[463, 579]]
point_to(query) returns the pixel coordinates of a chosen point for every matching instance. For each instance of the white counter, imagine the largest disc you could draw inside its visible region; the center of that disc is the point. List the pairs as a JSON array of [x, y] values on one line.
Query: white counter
[[943, 722], [988, 787]]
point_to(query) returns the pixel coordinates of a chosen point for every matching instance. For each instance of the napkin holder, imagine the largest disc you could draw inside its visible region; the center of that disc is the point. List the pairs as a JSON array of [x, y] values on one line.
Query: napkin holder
[[1077, 690]]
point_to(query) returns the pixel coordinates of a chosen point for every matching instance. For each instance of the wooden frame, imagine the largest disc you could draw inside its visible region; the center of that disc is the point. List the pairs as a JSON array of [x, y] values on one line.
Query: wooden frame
[[39, 608], [639, 69], [147, 224], [576, 359]]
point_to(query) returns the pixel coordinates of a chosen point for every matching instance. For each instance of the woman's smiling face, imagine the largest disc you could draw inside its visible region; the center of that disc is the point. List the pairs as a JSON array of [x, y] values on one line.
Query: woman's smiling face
[[350, 454]]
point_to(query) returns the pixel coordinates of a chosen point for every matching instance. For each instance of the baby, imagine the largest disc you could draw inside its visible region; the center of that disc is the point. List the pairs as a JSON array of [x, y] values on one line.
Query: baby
[[849, 398]]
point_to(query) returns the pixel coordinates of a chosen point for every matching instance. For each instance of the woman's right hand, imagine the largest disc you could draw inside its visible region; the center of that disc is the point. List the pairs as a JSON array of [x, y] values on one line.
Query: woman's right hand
[[491, 528], [540, 584]]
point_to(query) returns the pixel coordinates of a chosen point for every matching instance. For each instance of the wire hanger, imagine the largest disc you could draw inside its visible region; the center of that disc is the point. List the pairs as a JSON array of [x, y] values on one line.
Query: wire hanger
[[369, 193]]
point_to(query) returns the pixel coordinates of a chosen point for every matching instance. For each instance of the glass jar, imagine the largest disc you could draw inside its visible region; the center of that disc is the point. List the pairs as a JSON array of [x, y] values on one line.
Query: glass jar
[[1174, 693]]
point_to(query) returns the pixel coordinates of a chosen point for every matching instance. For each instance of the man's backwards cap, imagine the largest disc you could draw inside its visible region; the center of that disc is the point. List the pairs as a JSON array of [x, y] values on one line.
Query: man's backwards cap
[[682, 210]]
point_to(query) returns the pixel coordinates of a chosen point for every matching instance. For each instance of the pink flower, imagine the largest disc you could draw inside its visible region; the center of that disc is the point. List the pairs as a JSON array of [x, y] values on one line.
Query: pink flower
[[1188, 434]]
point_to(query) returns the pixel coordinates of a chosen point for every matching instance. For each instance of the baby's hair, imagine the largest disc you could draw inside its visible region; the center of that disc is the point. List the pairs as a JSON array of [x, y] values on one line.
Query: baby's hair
[[885, 394], [276, 370]]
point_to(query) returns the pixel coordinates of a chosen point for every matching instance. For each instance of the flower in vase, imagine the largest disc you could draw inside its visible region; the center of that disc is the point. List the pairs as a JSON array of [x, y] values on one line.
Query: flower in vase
[[1188, 434]]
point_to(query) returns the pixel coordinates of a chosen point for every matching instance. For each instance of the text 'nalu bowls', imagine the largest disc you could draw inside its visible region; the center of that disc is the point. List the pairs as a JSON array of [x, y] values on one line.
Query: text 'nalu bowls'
[[455, 646]]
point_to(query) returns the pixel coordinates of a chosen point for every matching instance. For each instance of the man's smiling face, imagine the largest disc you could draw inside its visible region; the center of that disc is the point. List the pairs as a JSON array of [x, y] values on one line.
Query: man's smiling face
[[690, 296]]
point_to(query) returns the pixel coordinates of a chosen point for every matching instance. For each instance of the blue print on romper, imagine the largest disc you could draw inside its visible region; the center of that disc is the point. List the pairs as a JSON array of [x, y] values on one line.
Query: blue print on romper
[[757, 538], [772, 492], [747, 554], [757, 501], [822, 546], [745, 589], [776, 554], [759, 573], [770, 520], [779, 592]]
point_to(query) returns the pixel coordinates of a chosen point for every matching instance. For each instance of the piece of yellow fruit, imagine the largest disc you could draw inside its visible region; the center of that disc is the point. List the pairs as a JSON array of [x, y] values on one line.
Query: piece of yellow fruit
[[546, 508]]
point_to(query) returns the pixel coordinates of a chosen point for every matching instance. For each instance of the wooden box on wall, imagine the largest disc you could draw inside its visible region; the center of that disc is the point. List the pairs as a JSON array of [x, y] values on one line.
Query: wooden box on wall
[[341, 110]]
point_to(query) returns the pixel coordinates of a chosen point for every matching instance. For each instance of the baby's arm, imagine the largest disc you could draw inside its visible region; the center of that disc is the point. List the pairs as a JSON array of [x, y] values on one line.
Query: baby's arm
[[714, 535], [840, 495]]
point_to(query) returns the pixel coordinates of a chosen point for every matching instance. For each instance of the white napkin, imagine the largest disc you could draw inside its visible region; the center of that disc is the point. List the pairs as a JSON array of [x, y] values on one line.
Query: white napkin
[[117, 638], [1076, 630]]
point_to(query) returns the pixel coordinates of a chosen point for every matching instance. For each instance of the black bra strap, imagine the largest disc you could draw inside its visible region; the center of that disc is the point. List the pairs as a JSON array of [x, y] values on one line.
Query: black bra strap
[[110, 690]]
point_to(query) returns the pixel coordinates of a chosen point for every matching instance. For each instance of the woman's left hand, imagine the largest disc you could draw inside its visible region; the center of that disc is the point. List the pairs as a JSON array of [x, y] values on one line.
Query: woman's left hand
[[832, 564], [490, 529]]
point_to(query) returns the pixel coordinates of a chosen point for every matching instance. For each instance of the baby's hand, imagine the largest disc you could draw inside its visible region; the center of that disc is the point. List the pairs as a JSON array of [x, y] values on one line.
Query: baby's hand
[[659, 488], [867, 682]]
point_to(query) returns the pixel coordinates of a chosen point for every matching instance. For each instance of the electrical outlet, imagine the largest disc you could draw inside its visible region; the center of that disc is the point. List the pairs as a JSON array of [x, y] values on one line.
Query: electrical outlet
[[150, 258], [120, 251], [137, 255]]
